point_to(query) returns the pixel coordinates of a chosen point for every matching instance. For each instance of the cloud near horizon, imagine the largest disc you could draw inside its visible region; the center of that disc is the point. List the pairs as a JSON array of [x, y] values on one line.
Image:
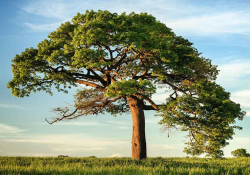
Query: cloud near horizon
[[116, 155], [7, 129], [65, 139], [11, 106]]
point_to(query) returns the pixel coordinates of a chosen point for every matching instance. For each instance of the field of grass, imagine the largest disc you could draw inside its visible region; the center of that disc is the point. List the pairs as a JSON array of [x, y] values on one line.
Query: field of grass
[[152, 166]]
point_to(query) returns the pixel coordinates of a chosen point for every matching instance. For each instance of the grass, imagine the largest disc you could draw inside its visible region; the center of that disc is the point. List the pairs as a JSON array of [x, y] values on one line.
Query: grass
[[109, 166]]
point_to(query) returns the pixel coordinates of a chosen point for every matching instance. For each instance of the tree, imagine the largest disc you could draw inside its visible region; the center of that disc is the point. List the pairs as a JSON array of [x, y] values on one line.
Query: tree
[[122, 59], [240, 153]]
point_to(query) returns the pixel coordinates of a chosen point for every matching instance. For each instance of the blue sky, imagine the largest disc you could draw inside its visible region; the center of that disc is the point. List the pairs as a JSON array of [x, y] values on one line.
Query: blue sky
[[219, 29]]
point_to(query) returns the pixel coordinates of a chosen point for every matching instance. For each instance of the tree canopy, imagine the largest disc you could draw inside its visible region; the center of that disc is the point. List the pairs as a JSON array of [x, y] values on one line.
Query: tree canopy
[[119, 57], [240, 153]]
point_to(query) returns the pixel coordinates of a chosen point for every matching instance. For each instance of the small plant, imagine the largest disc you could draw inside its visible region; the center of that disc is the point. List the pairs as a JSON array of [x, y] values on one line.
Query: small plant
[[240, 153]]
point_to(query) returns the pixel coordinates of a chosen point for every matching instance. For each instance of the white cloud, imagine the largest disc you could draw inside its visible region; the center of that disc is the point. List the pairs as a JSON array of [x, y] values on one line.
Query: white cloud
[[66, 144], [247, 113], [119, 122], [11, 106], [49, 9], [76, 140], [233, 71], [123, 127], [184, 18], [116, 155], [64, 150], [33, 154], [160, 98], [217, 23], [152, 120], [164, 146], [80, 123], [37, 155], [7, 129], [242, 139], [242, 97], [245, 93], [234, 76], [161, 94], [44, 27]]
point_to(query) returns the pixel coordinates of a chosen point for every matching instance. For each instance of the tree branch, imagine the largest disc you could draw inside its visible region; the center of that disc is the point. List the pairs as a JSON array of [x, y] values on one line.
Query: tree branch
[[93, 77], [151, 108], [104, 83], [147, 99], [199, 142], [108, 48], [91, 84], [120, 61], [63, 117]]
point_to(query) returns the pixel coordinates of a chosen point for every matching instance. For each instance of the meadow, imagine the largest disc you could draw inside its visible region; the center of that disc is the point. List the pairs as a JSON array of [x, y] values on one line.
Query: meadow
[[109, 166]]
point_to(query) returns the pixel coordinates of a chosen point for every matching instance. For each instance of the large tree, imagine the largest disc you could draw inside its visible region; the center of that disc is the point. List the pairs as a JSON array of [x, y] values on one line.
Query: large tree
[[122, 59]]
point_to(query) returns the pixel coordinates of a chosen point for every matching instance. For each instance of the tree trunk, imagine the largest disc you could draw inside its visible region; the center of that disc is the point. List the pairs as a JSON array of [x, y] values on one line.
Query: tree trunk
[[139, 149]]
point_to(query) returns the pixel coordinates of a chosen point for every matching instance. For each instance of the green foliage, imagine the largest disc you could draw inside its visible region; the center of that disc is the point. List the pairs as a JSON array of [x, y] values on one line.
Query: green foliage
[[86, 43], [207, 113], [240, 153], [123, 166], [129, 55], [130, 87]]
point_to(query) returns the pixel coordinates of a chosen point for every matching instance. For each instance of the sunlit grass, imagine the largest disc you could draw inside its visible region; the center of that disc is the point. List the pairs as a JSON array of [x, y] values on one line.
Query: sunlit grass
[[103, 166]]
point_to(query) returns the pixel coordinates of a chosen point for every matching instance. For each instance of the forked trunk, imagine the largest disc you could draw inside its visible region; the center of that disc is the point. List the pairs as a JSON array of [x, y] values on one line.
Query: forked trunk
[[139, 150]]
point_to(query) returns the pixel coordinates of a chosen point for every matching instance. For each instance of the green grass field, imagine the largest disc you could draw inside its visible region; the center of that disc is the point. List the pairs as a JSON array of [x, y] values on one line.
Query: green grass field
[[153, 166]]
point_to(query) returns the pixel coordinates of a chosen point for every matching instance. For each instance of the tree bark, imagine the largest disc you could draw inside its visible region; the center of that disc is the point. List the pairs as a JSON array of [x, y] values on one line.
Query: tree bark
[[139, 149]]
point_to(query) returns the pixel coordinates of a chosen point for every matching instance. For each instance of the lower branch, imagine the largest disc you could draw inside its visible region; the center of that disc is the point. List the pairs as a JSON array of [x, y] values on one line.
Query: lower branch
[[141, 96], [91, 84]]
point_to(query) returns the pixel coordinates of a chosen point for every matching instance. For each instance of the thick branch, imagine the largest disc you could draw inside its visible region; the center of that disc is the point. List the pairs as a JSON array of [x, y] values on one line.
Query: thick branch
[[93, 77], [147, 99], [99, 78], [151, 108], [91, 84], [144, 76]]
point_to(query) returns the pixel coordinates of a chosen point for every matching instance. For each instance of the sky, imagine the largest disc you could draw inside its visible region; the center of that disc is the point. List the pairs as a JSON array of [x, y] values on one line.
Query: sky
[[219, 29]]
